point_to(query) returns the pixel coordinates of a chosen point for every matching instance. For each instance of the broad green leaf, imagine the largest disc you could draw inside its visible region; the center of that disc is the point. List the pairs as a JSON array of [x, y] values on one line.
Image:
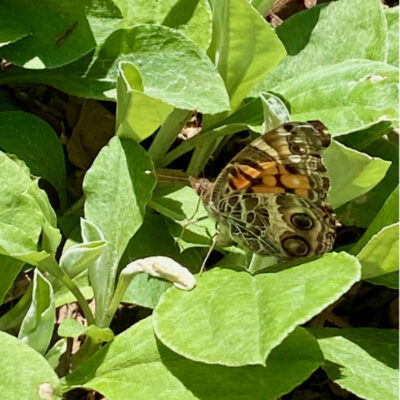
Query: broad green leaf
[[192, 18], [117, 187], [349, 96], [71, 79], [388, 215], [352, 173], [362, 210], [12, 28], [32, 140], [172, 67], [390, 280], [381, 254], [392, 18], [363, 361], [9, 269], [138, 115], [25, 374], [54, 354], [361, 139], [136, 365], [23, 212], [329, 34], [61, 31], [38, 324], [228, 308], [242, 59], [143, 289]]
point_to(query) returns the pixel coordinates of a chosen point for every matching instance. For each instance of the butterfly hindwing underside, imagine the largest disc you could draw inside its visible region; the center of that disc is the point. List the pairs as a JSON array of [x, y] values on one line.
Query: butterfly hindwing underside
[[270, 198]]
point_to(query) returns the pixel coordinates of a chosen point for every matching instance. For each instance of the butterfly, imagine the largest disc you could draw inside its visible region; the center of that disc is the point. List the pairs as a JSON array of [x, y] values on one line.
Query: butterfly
[[271, 197]]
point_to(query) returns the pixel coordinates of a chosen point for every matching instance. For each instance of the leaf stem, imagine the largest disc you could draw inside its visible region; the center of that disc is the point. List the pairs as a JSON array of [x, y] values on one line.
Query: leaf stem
[[51, 266], [167, 134]]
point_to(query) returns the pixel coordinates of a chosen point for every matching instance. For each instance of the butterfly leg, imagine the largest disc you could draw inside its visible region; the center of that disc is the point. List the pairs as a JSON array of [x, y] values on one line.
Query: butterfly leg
[[214, 240], [190, 220]]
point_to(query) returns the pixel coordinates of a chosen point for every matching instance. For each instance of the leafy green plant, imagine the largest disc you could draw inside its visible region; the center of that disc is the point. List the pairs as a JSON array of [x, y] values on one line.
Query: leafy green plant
[[245, 328]]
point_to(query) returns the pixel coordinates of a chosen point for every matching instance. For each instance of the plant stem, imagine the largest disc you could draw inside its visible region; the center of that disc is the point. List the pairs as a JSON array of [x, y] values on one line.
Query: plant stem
[[167, 134], [199, 140], [51, 266]]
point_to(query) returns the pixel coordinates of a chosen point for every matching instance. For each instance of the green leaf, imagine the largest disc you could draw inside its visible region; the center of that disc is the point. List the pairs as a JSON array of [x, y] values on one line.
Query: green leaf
[[361, 139], [25, 213], [32, 140], [117, 187], [61, 31], [64, 296], [25, 374], [392, 18], [381, 254], [329, 34], [12, 28], [138, 115], [352, 173], [77, 258], [362, 210], [172, 67], [9, 269], [388, 215], [13, 318], [361, 360], [242, 59], [183, 205], [38, 324], [127, 368], [390, 280], [54, 354], [143, 289], [192, 18], [275, 112], [71, 79], [72, 328], [229, 308], [349, 96]]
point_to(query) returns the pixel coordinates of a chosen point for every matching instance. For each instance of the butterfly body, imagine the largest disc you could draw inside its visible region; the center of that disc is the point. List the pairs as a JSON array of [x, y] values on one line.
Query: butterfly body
[[270, 198]]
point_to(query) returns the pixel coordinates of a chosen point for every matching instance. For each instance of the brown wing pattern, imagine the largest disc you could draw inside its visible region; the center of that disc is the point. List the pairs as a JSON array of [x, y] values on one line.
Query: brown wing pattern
[[271, 195], [285, 160]]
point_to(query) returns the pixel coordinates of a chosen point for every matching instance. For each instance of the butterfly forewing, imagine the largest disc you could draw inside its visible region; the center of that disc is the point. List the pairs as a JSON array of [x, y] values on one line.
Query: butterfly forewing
[[270, 197]]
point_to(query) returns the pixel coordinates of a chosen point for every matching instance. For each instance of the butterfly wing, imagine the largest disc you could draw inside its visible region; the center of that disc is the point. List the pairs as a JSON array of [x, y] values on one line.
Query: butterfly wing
[[271, 195]]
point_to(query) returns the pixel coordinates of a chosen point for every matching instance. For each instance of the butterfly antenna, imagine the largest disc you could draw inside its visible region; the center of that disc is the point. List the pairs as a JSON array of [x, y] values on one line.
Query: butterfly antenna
[[210, 250]]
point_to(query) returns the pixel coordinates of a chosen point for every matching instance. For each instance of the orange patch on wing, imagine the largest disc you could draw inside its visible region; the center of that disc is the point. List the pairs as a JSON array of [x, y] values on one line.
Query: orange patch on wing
[[250, 171], [283, 170], [269, 167], [302, 193], [269, 180], [239, 182], [292, 181], [267, 189]]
